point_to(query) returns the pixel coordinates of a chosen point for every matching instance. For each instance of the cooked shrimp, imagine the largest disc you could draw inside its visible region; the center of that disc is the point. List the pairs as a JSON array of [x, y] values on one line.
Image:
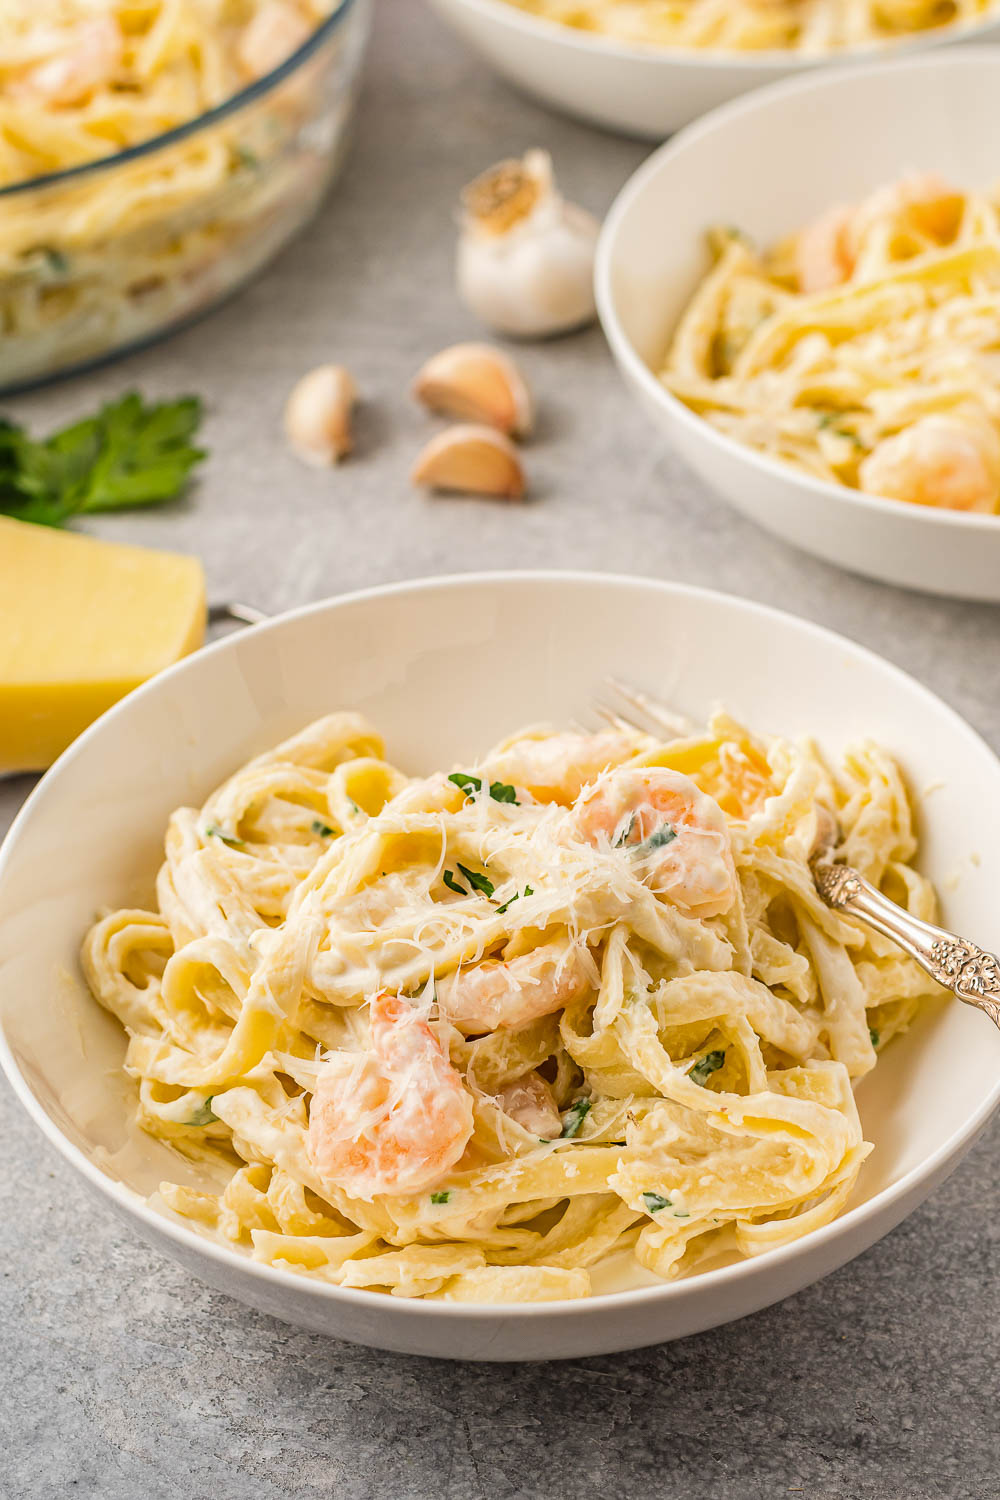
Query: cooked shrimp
[[556, 767], [271, 36], [492, 994], [677, 835], [938, 460], [85, 61], [823, 256], [395, 1119], [827, 250], [529, 1100]]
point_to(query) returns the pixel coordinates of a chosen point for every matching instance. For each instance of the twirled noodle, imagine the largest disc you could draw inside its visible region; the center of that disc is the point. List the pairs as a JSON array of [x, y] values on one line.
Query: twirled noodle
[[466, 1036], [864, 350], [753, 25]]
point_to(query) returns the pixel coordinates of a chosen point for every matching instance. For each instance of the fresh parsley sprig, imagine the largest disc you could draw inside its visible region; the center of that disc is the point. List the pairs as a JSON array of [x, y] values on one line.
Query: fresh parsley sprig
[[130, 453]]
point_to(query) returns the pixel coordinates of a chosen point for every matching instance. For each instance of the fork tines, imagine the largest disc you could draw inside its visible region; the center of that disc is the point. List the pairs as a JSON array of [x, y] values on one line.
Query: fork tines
[[640, 712]]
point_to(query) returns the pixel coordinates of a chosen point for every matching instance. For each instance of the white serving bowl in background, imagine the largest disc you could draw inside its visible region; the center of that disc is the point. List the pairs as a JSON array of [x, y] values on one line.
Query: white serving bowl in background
[[645, 90], [768, 164], [444, 668]]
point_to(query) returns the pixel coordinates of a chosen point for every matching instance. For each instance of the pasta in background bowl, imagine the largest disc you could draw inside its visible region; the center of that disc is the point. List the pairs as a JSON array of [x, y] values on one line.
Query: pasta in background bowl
[[93, 833], [852, 357], [863, 349], [153, 158], [647, 68], [754, 25]]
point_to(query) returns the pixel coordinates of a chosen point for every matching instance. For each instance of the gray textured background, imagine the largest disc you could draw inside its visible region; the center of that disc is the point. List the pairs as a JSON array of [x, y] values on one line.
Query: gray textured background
[[124, 1380]]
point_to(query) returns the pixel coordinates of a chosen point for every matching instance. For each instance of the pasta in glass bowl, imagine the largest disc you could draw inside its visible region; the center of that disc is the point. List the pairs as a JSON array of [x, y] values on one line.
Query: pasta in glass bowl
[[153, 159]]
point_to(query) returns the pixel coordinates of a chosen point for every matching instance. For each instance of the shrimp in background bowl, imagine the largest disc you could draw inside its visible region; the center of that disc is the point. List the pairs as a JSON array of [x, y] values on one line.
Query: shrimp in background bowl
[[863, 348]]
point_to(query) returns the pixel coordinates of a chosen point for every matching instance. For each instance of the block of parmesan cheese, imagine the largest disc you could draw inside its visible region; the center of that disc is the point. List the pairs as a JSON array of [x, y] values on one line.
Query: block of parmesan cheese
[[82, 622]]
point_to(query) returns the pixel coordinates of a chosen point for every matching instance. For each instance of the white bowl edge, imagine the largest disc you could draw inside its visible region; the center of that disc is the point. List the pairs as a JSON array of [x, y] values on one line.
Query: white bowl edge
[[935, 550], [603, 1324]]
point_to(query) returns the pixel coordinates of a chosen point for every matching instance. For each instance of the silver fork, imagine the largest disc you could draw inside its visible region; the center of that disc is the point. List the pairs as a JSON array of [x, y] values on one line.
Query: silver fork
[[970, 972]]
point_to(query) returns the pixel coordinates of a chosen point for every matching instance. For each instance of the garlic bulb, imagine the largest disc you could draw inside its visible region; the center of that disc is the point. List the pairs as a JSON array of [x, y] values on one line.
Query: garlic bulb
[[525, 255]]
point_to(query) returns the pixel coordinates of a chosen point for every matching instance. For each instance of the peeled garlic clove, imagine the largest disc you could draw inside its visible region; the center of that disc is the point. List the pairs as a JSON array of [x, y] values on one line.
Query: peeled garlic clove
[[477, 383], [526, 256], [474, 459], [318, 415]]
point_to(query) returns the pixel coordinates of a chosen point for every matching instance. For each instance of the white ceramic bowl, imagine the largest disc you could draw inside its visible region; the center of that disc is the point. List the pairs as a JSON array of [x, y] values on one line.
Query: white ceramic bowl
[[445, 668], [768, 164], [646, 91]]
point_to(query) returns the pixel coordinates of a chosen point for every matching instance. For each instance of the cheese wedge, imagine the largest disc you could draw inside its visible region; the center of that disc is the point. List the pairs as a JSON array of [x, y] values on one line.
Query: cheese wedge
[[82, 622]]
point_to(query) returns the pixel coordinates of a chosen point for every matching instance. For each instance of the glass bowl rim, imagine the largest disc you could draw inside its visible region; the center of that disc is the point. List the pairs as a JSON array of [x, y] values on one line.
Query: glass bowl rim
[[253, 91]]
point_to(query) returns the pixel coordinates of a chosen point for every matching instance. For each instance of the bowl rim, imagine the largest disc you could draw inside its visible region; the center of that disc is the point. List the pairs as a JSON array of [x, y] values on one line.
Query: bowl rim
[[720, 121], [127, 1201], [209, 117], [786, 58]]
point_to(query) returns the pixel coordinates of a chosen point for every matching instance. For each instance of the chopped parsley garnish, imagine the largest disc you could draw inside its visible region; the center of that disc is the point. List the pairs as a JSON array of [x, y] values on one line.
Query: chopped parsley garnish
[[624, 834], [516, 897], [323, 829], [449, 879], [127, 454], [465, 782], [706, 1066], [478, 882], [832, 420], [499, 790], [873, 1036], [55, 260], [502, 791], [655, 1202], [574, 1118], [658, 839], [213, 831], [247, 158], [441, 1197], [204, 1114]]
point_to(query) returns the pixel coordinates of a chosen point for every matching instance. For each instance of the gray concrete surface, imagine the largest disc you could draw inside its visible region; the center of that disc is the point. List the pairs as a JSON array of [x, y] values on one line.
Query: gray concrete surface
[[121, 1379]]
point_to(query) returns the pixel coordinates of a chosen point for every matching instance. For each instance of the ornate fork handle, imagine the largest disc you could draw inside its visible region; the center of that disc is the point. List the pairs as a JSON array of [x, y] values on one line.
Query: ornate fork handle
[[972, 973]]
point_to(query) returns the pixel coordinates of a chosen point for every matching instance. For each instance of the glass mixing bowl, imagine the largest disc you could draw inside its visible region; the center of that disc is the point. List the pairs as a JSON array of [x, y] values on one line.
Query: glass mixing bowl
[[100, 258]]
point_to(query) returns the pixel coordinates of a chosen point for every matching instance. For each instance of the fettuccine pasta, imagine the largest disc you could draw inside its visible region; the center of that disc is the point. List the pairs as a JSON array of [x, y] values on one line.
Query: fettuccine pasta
[[808, 26], [864, 350], [467, 1036]]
